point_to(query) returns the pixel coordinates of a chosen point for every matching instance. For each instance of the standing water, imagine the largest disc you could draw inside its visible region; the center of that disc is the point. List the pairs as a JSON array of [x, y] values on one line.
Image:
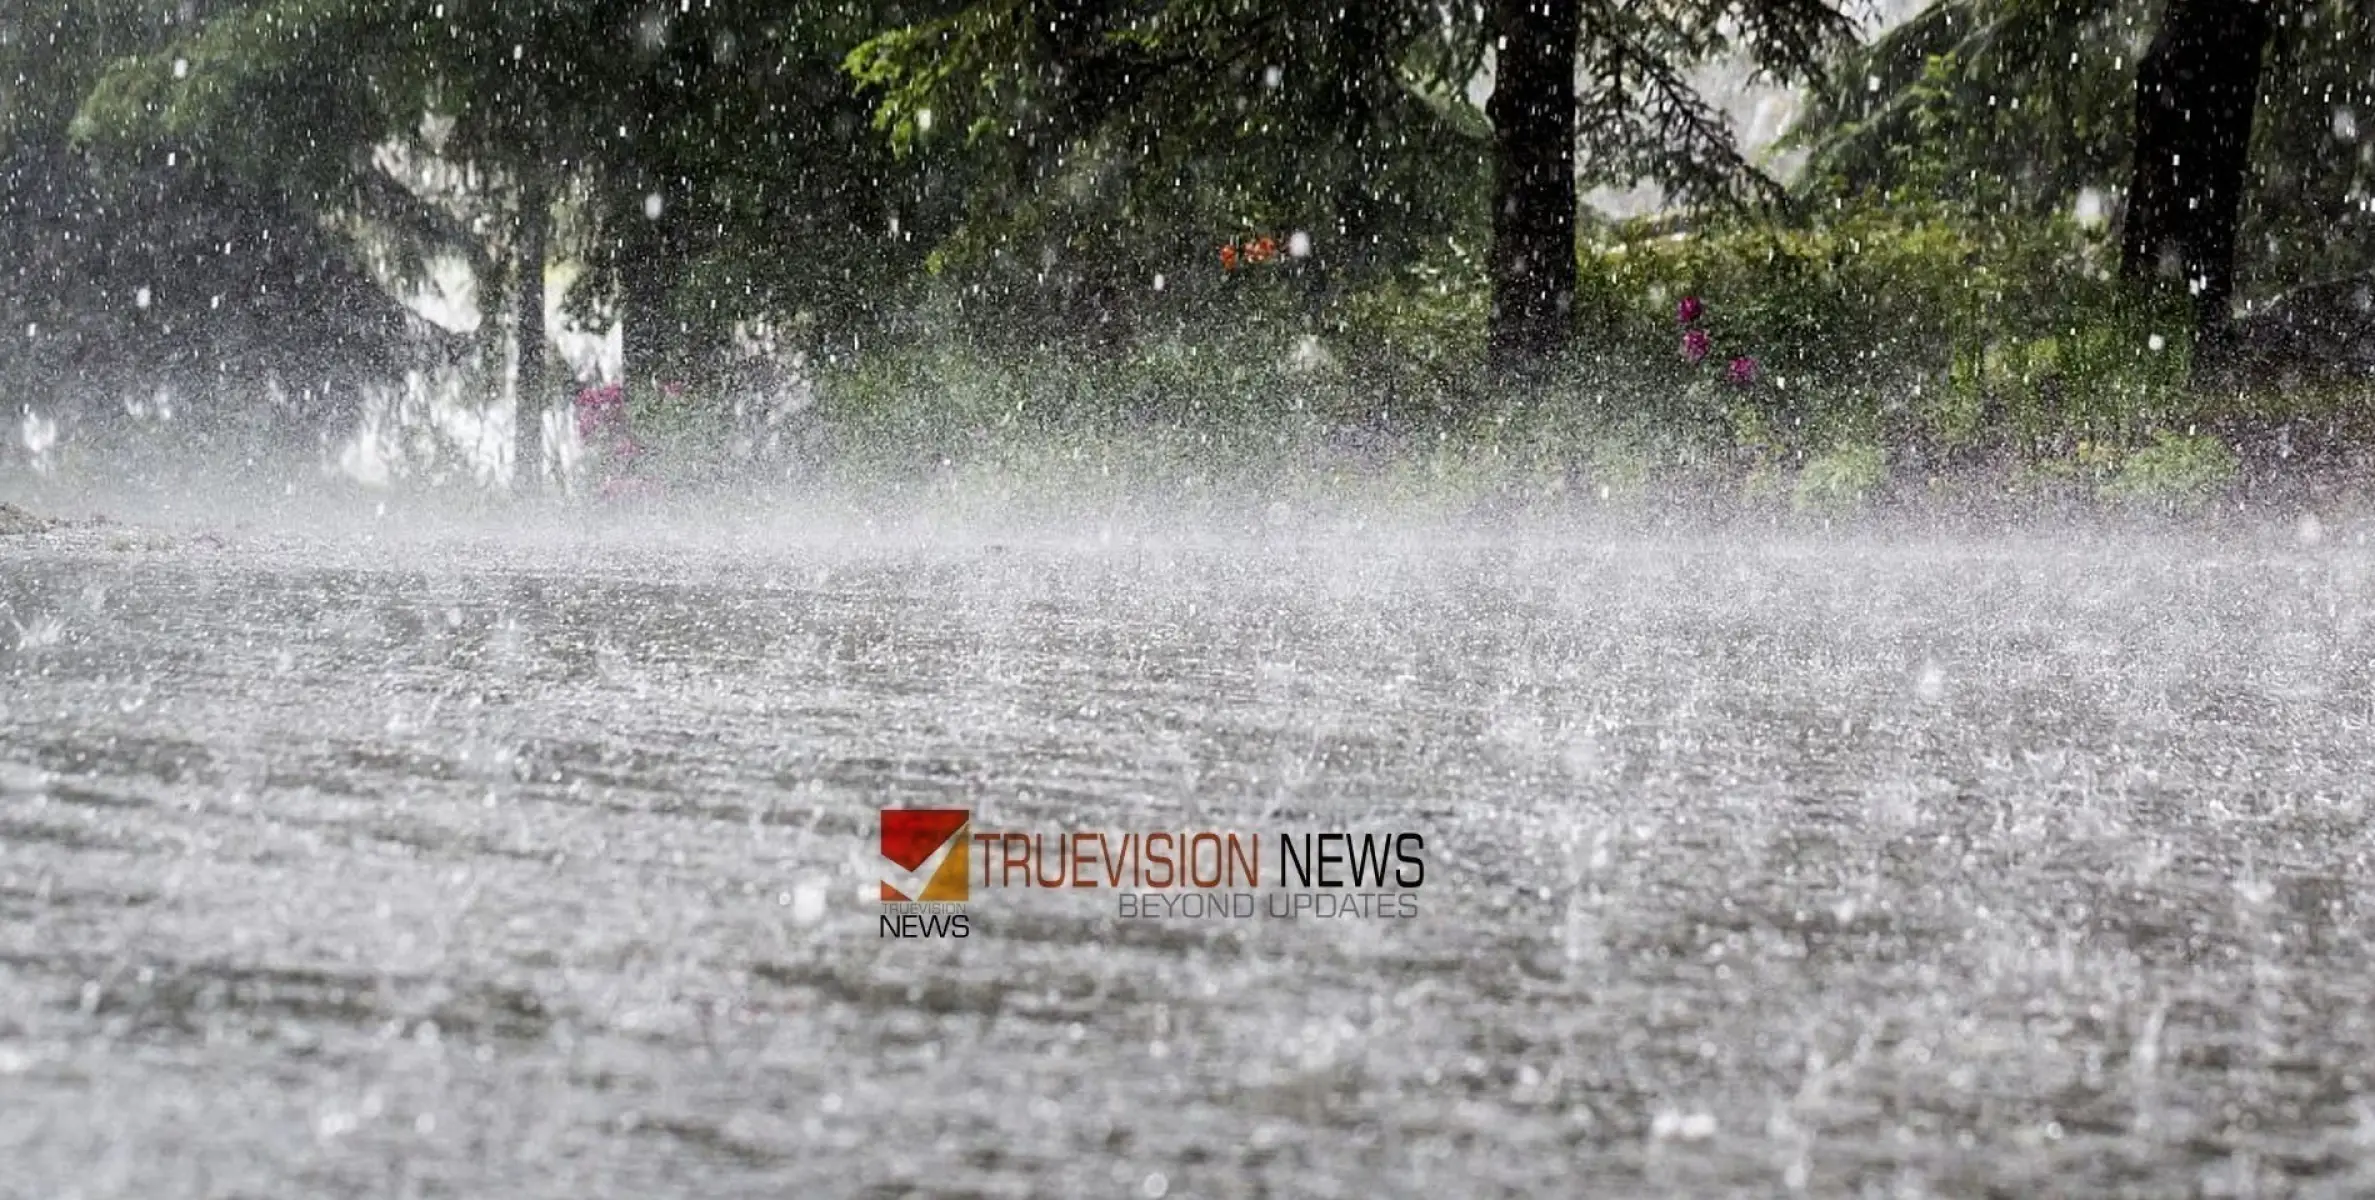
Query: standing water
[[451, 864]]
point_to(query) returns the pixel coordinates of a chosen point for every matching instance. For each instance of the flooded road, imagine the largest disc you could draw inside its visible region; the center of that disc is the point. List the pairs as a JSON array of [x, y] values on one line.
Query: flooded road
[[456, 866]]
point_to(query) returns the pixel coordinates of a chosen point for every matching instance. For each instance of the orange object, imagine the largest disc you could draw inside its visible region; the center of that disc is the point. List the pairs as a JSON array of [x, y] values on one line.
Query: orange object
[[1262, 249], [1228, 256]]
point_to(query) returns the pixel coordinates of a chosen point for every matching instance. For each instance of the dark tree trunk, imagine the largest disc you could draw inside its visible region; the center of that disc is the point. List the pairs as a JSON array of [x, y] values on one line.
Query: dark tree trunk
[[534, 393], [2195, 93], [1363, 51], [652, 224], [648, 264], [1533, 113]]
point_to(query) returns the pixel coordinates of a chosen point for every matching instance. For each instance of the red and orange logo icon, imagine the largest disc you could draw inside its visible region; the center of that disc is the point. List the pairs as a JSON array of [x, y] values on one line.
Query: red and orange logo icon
[[923, 852]]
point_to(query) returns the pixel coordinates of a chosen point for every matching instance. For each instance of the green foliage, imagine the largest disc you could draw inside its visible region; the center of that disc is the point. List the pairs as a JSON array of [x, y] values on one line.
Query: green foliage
[[1991, 105], [1116, 142], [997, 222], [1840, 480], [2177, 471], [2025, 107], [1903, 325], [1111, 145]]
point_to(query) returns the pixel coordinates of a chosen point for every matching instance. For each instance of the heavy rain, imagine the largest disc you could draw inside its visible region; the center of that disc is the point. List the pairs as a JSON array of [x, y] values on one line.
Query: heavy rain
[[1172, 598]]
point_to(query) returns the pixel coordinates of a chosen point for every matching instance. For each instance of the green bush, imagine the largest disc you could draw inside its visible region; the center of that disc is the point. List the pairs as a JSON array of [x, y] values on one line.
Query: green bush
[[1841, 480], [2177, 471], [1927, 339], [1922, 327]]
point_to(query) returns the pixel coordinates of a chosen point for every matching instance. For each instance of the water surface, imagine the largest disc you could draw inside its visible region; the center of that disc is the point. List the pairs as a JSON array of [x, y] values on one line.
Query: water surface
[[462, 865]]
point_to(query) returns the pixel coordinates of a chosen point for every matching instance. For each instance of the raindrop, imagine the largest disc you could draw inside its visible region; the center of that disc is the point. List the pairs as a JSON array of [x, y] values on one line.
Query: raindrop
[[1273, 76], [1298, 244], [181, 68], [808, 903], [1930, 684], [2156, 342], [140, 299], [1688, 1127], [2346, 124], [653, 206], [2091, 209]]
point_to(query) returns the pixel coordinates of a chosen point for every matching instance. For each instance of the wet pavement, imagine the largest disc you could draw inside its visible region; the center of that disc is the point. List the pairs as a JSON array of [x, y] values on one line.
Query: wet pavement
[[457, 865]]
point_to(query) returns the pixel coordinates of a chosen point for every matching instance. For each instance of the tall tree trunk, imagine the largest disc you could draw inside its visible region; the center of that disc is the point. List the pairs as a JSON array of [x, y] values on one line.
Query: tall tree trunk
[[1532, 261], [648, 264], [534, 394], [1362, 52], [2196, 89]]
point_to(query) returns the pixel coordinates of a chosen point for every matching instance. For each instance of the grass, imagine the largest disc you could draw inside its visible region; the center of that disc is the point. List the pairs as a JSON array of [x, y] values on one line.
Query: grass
[[1257, 418]]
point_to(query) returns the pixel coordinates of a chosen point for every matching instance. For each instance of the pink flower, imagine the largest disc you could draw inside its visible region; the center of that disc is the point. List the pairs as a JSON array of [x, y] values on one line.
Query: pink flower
[[1696, 345], [1689, 310], [1743, 370], [600, 406]]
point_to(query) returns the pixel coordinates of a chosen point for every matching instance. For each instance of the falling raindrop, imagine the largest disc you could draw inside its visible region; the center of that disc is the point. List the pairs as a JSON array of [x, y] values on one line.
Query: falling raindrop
[[1930, 683], [2092, 208]]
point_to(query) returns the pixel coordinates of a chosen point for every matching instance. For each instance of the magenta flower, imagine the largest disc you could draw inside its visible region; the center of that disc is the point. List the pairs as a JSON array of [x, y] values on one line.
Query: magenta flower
[[1696, 345], [1689, 310], [1743, 370], [600, 407]]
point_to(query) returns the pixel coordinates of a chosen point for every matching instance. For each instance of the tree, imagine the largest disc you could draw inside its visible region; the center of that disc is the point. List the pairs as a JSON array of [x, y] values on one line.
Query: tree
[[1533, 114], [534, 384], [1096, 147], [2031, 108], [161, 281], [2195, 93], [1120, 137], [718, 151]]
